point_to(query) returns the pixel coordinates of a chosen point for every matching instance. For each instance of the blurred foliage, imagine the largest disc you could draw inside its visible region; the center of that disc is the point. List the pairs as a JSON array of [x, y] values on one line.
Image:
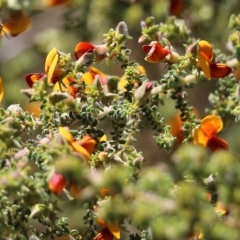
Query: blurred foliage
[[126, 119]]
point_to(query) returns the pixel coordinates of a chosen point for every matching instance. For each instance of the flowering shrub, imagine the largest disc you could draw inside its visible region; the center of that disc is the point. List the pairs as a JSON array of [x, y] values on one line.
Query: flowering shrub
[[78, 157]]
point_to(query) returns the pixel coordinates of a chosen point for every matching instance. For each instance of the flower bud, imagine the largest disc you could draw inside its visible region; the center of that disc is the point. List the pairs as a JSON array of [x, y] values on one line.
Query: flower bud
[[122, 29], [15, 110], [56, 97], [143, 91], [56, 183], [28, 92]]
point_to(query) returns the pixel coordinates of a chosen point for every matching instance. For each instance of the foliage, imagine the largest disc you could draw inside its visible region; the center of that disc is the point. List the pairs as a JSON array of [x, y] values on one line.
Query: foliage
[[75, 170]]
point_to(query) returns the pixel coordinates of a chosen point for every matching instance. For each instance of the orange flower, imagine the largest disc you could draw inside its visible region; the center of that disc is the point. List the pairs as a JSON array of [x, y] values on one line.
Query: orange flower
[[100, 51], [56, 183], [155, 52], [18, 23], [84, 147], [210, 69], [205, 134]]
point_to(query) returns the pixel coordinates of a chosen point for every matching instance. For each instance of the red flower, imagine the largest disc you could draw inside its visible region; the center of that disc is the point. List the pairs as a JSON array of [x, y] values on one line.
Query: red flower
[[155, 52]]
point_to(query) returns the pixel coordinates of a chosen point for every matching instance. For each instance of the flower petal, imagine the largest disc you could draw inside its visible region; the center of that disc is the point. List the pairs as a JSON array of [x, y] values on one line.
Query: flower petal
[[114, 229], [49, 59], [1, 89], [204, 55], [205, 49], [141, 70], [65, 85], [32, 78], [219, 70], [88, 78], [82, 48], [52, 69], [88, 143], [96, 72], [66, 134], [79, 149], [56, 76], [216, 143], [204, 65], [199, 137], [211, 125], [155, 52], [18, 23]]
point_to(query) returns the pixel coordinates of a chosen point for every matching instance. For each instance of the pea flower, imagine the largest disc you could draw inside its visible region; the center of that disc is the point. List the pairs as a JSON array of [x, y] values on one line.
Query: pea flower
[[84, 146], [100, 51], [156, 53], [205, 134], [210, 69], [53, 71], [32, 78], [18, 23], [52, 67]]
